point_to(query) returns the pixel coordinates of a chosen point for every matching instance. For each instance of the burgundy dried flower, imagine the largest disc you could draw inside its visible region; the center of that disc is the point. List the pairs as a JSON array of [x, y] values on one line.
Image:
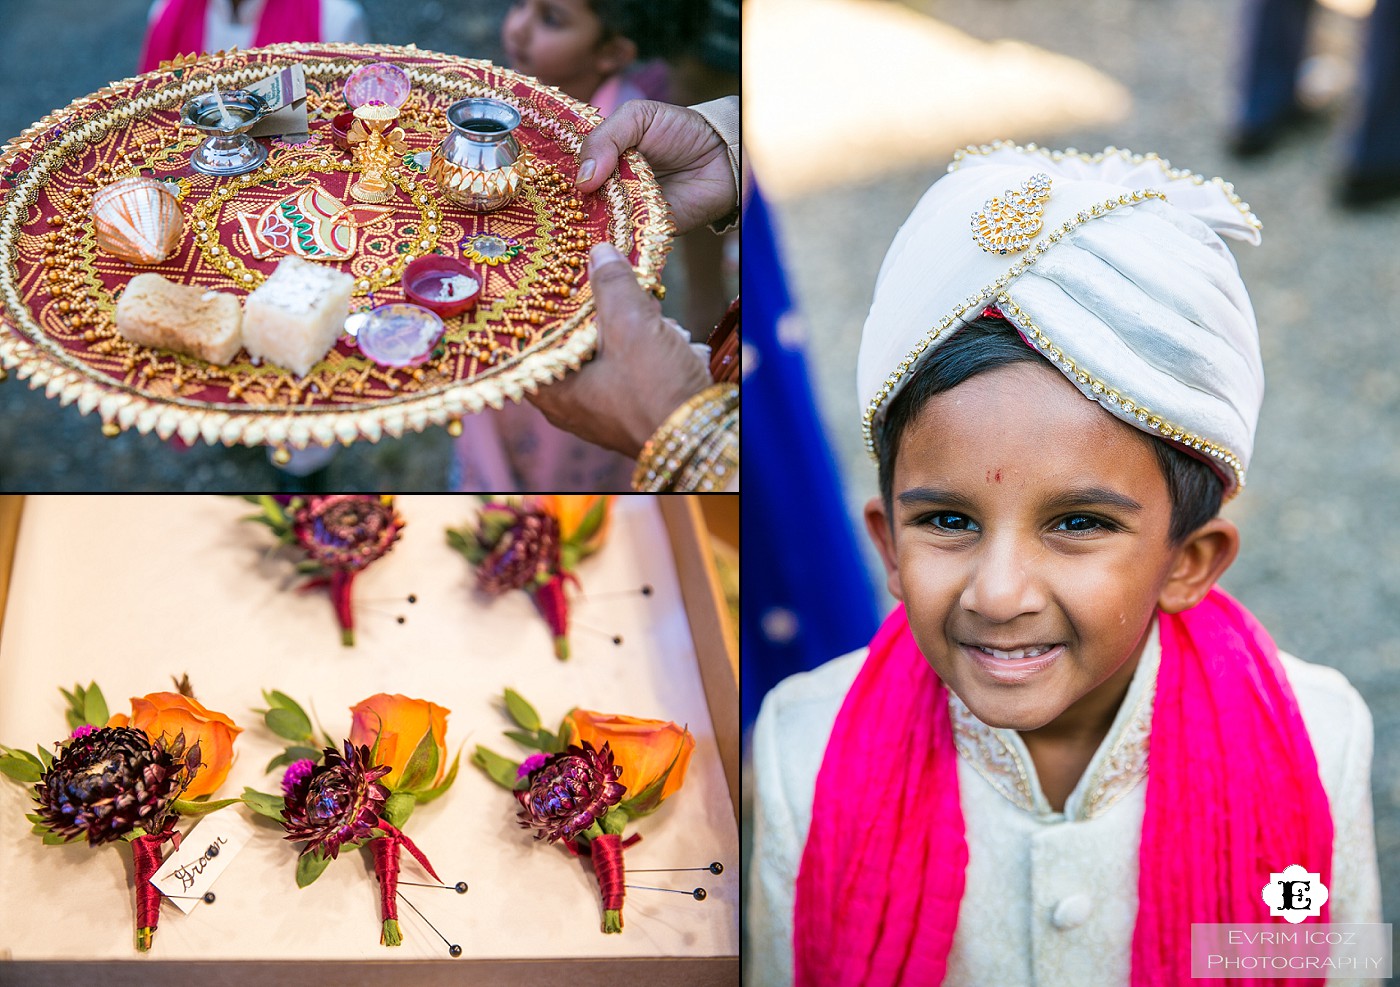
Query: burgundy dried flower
[[346, 531], [570, 792], [519, 547], [108, 782], [338, 802]]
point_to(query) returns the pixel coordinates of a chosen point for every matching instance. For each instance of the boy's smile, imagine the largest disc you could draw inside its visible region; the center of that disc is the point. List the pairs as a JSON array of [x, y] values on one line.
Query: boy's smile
[[1030, 546]]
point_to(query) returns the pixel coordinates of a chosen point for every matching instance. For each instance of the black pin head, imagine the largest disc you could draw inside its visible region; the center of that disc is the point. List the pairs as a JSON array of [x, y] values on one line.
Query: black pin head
[[617, 639], [461, 887], [646, 590], [698, 894], [399, 620], [209, 897], [717, 868], [455, 950], [412, 598], [213, 851]]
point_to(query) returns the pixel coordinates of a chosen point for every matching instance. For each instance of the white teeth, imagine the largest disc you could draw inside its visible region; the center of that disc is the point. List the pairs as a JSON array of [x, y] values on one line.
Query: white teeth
[[1018, 654]]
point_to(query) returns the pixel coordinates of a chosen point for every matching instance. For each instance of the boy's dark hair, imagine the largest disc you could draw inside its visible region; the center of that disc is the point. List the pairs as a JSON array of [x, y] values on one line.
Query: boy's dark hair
[[988, 343], [659, 30]]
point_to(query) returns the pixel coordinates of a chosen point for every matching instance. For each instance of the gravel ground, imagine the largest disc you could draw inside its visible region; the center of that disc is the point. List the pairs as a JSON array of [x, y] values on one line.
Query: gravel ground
[[1321, 558]]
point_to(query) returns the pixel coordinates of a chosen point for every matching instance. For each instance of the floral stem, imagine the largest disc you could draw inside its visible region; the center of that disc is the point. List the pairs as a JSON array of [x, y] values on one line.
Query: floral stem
[[553, 605], [145, 851], [607, 865], [341, 582], [386, 868]]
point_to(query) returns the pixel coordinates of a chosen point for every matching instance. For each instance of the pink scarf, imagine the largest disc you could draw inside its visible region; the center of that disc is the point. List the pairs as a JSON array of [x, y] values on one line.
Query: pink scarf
[[179, 28], [1232, 788]]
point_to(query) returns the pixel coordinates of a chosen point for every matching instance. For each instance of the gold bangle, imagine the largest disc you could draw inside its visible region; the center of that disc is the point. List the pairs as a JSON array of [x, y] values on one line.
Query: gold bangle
[[672, 446], [716, 460]]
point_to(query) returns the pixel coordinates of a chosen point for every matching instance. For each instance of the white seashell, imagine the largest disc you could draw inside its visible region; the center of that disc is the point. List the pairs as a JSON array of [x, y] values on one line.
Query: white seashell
[[137, 219]]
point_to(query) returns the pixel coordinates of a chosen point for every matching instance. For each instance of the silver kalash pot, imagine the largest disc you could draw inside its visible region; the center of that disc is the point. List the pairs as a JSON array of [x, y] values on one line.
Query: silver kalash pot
[[480, 164]]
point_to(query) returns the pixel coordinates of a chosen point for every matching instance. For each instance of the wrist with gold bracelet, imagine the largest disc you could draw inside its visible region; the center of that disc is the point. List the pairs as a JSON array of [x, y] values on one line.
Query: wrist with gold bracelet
[[680, 437]]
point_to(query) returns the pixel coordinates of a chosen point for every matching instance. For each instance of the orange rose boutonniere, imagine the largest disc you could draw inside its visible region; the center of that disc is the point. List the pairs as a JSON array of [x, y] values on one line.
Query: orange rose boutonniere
[[585, 783], [128, 779]]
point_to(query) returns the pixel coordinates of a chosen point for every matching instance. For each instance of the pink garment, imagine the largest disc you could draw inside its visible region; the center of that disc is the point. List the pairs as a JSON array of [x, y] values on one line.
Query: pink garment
[[1232, 788], [179, 28]]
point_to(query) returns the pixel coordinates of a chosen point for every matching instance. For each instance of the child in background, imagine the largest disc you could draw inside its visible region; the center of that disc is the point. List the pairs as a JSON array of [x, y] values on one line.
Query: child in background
[[178, 27], [602, 52], [1066, 745]]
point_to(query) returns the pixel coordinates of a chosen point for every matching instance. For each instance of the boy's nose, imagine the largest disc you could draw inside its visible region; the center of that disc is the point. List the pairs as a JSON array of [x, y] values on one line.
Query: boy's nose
[[1003, 583]]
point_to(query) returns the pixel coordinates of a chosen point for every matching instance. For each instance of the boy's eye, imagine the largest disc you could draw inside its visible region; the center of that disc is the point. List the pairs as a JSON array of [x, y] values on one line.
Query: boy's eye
[[951, 522], [1081, 523]]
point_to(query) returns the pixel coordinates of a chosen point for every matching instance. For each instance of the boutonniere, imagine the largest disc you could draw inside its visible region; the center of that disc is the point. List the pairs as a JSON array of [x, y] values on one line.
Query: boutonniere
[[339, 535], [361, 792], [127, 780], [587, 782], [535, 544]]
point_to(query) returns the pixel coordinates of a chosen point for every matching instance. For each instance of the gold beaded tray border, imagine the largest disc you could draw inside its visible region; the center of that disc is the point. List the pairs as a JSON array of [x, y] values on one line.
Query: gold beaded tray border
[[644, 219]]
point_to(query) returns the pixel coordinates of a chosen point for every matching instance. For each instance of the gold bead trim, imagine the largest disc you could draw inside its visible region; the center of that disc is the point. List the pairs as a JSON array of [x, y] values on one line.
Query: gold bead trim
[[901, 370], [1168, 171], [1115, 401]]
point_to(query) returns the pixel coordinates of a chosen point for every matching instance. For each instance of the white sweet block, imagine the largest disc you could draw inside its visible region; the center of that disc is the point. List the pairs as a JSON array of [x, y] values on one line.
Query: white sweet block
[[296, 316]]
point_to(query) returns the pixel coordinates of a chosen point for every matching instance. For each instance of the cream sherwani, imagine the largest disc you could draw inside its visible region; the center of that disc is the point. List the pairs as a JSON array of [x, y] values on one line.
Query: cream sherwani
[[1051, 896]]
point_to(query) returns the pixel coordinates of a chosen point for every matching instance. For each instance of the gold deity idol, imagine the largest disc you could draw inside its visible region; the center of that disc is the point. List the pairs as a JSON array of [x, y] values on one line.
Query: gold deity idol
[[374, 149]]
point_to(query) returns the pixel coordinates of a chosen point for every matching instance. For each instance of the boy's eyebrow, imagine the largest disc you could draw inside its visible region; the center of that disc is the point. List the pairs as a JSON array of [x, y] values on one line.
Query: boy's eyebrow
[[931, 495], [1093, 496]]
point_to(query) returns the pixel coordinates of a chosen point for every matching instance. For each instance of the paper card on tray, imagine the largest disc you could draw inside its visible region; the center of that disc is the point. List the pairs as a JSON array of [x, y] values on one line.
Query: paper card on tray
[[285, 95], [205, 853]]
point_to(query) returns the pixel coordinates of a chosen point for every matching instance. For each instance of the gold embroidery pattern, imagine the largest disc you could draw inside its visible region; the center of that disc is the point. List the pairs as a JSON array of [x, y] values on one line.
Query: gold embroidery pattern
[[990, 756]]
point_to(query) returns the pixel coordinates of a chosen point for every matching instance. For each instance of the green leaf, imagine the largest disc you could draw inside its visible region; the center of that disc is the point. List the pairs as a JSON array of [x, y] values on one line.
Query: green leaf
[[547, 742], [186, 807], [398, 808], [308, 566], [291, 754], [310, 866], [566, 733], [421, 769], [447, 781], [501, 770], [55, 839], [20, 769], [569, 555], [290, 724], [34, 817], [591, 522], [95, 707], [648, 800], [280, 700], [522, 712], [264, 804], [45, 757], [466, 544], [531, 740]]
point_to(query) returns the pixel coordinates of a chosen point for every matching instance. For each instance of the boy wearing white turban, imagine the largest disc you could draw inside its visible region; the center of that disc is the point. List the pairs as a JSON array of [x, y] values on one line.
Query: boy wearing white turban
[[1066, 747]]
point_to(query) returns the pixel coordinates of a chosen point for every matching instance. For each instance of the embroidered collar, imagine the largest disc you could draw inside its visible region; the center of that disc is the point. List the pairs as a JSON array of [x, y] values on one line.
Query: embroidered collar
[[1120, 763]]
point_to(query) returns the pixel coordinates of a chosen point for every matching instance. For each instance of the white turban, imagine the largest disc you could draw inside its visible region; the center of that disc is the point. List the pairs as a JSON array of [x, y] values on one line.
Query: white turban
[[1125, 286]]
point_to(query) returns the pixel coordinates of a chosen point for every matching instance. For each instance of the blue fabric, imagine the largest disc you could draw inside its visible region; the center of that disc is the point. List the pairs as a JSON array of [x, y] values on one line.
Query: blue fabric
[[806, 592]]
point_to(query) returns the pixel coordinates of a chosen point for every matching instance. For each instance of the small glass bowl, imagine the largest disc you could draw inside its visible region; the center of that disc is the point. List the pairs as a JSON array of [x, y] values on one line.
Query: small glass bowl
[[427, 279], [399, 335], [383, 81]]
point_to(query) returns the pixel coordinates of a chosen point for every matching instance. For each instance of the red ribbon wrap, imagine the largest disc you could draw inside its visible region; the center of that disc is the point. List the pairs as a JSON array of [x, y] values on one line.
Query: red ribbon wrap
[[386, 867], [145, 852]]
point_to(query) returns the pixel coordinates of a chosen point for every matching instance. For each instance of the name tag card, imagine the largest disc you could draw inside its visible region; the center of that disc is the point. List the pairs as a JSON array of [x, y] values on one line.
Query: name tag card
[[204, 854]]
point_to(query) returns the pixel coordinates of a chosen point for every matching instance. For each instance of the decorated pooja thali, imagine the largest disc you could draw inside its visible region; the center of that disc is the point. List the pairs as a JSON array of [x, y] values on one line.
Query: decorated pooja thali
[[525, 263]]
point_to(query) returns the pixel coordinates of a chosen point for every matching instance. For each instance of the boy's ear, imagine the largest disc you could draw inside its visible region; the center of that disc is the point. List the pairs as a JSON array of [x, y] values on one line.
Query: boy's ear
[[1200, 561], [877, 523], [614, 54]]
